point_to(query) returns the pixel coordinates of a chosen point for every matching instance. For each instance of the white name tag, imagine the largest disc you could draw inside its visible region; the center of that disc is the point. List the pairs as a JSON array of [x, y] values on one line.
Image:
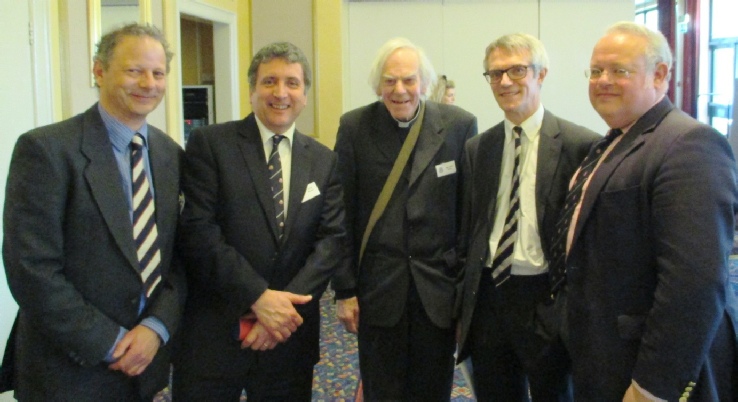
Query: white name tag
[[311, 192], [446, 168]]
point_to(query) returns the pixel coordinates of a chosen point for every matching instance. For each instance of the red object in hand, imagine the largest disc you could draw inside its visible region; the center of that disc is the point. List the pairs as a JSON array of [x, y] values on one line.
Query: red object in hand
[[244, 327]]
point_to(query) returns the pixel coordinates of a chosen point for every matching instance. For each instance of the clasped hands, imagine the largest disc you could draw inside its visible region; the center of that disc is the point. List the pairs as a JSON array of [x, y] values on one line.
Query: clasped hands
[[276, 319]]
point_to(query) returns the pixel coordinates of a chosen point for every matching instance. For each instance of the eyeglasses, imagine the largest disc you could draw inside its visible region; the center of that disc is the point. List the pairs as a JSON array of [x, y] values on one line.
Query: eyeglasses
[[595, 74], [515, 72]]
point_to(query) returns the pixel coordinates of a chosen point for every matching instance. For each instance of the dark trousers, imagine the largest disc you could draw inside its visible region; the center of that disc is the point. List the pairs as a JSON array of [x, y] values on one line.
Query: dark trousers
[[261, 382], [508, 356], [411, 361]]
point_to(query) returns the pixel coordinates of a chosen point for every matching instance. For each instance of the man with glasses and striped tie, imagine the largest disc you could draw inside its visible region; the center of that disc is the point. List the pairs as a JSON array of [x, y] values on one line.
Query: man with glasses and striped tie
[[650, 310], [91, 212], [515, 180]]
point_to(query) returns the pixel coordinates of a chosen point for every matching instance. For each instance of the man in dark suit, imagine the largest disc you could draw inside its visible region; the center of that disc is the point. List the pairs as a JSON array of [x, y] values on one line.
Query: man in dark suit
[[96, 280], [496, 324], [650, 306], [258, 248], [403, 289]]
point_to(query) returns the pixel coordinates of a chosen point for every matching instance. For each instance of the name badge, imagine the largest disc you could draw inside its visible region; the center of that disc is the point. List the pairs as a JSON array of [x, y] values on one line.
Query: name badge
[[446, 168], [311, 192]]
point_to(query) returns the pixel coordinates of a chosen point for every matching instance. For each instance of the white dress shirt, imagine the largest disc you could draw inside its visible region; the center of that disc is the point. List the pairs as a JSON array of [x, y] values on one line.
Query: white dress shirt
[[285, 156], [528, 258]]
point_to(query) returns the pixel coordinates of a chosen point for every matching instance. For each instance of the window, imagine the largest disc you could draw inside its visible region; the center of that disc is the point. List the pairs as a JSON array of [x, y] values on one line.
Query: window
[[723, 44], [647, 13]]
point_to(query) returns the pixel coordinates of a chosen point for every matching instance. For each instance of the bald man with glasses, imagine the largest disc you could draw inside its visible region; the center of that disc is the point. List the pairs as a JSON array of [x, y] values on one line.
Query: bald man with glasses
[[515, 179]]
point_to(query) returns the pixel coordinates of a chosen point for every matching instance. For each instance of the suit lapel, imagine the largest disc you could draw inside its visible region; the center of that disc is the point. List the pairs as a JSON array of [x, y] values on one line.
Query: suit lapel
[[489, 156], [299, 178], [429, 142], [253, 155], [166, 180], [630, 143], [549, 152], [107, 194]]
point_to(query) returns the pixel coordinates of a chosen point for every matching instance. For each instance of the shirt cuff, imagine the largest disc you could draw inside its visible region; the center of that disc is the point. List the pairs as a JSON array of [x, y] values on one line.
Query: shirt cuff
[[647, 394], [157, 326], [121, 333]]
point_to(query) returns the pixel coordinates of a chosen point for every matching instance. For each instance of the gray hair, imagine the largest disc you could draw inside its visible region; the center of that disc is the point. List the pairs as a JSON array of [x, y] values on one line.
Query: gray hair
[[657, 47], [106, 45], [426, 71], [280, 50], [518, 43]]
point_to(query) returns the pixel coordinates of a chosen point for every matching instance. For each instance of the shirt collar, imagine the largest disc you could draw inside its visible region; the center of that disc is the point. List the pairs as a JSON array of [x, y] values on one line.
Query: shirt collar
[[267, 134], [121, 135], [531, 126], [406, 124]]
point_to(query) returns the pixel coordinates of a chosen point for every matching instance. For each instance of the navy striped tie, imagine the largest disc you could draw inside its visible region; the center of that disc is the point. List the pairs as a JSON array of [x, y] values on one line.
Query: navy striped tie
[[557, 267], [502, 262], [275, 178], [145, 234]]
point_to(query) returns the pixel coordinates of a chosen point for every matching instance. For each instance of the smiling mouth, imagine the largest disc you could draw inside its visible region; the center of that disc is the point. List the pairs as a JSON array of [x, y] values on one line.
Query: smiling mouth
[[280, 107]]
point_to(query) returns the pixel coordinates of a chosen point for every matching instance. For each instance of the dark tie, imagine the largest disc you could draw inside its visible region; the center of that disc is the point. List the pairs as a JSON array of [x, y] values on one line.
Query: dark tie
[[502, 262], [557, 268], [145, 234], [275, 178]]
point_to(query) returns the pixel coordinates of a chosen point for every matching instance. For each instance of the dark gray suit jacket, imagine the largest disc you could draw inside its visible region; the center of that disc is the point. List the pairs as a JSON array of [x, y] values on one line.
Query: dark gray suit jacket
[[233, 253], [561, 148], [648, 291], [71, 261], [420, 225]]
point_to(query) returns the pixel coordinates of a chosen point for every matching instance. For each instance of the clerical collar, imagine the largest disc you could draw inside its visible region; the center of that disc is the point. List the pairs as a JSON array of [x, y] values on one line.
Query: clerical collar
[[406, 124]]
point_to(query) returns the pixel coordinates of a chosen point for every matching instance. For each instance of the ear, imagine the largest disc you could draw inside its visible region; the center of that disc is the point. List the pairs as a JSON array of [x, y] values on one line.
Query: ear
[[97, 72], [542, 75], [661, 75]]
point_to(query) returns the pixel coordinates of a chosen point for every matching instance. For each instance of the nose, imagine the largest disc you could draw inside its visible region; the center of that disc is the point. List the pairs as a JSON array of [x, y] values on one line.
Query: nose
[[146, 79], [279, 90], [505, 79], [605, 73], [400, 87]]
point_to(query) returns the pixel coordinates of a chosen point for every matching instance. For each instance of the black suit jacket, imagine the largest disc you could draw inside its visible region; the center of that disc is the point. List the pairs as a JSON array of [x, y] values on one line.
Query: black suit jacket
[[232, 249], [561, 148], [647, 272], [71, 261], [417, 233]]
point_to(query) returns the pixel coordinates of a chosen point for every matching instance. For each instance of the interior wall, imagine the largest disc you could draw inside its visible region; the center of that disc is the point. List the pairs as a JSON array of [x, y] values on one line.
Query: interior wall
[[455, 33], [296, 26], [197, 52]]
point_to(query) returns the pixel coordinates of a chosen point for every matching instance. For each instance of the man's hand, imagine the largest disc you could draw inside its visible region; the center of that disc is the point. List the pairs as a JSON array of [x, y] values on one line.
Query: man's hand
[[275, 311], [259, 339], [348, 313], [135, 351]]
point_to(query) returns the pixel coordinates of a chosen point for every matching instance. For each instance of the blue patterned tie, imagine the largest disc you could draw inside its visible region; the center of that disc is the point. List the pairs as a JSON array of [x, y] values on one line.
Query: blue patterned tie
[[502, 263], [145, 234], [557, 267], [275, 178]]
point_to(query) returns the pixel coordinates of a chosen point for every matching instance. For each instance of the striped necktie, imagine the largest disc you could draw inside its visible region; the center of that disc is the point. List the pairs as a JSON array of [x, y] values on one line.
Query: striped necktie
[[145, 234], [275, 179], [557, 267], [502, 262]]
